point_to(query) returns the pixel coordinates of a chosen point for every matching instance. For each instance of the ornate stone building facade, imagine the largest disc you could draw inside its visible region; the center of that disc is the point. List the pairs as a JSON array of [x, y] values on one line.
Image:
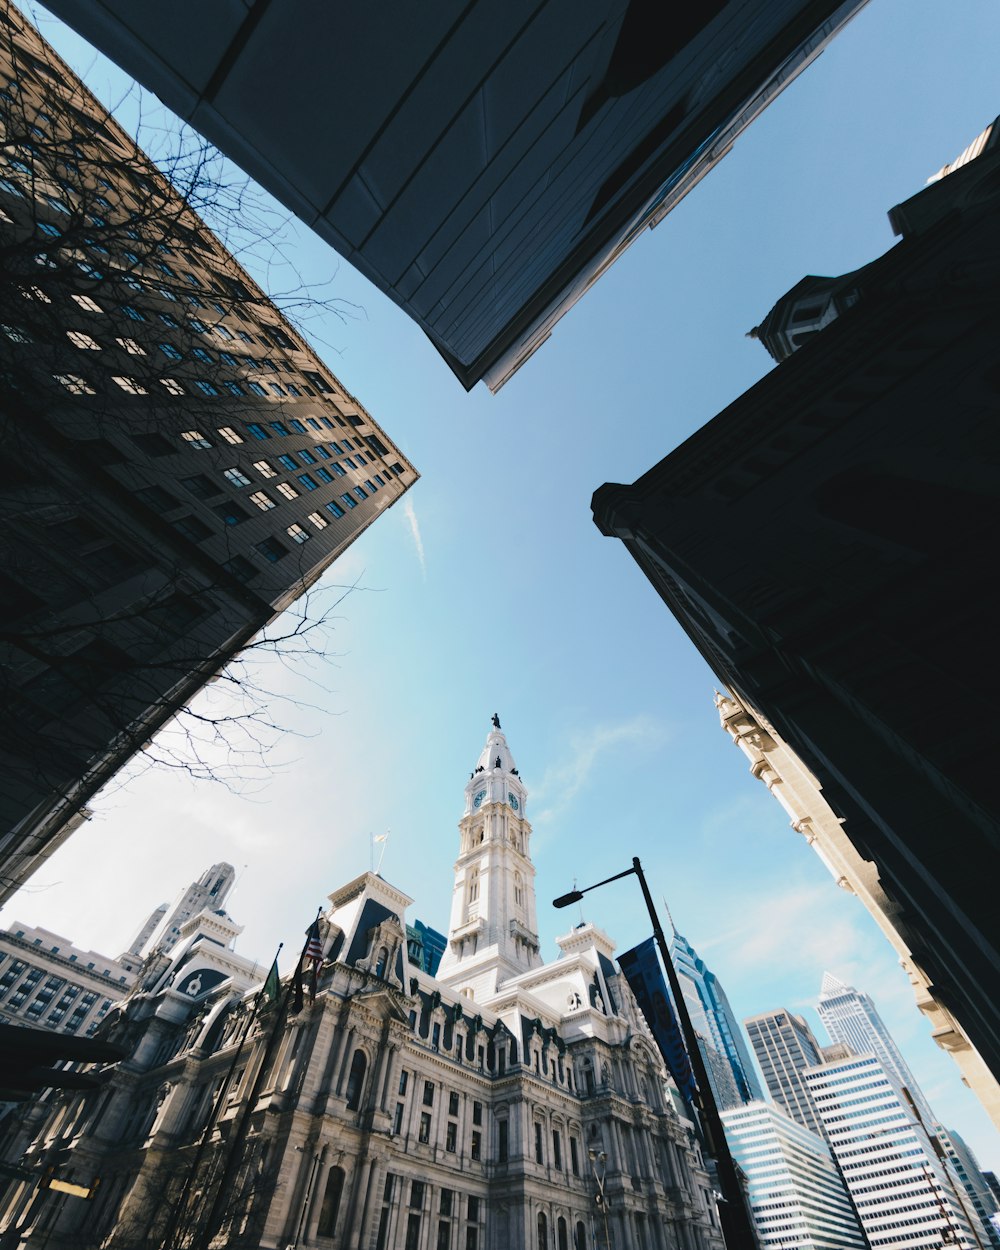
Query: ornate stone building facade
[[775, 764], [485, 1109]]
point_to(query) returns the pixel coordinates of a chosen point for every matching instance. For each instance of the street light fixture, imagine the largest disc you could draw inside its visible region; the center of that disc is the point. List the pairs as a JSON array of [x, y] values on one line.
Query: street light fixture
[[600, 1198], [737, 1226]]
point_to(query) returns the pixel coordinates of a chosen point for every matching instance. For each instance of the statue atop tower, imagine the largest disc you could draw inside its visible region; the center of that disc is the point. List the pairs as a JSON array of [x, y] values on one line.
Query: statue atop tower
[[493, 934]]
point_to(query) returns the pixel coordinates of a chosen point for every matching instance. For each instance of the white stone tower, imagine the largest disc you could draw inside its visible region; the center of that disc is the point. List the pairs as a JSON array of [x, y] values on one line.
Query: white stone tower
[[493, 934]]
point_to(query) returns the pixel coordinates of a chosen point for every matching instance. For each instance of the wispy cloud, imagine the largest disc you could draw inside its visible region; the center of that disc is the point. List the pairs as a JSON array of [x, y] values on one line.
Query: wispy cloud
[[418, 541], [565, 779], [798, 928]]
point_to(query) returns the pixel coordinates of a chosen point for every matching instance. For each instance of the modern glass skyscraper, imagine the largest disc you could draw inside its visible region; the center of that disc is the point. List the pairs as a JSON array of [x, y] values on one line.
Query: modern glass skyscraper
[[795, 1194], [727, 1059], [785, 1047], [901, 1191], [849, 1016]]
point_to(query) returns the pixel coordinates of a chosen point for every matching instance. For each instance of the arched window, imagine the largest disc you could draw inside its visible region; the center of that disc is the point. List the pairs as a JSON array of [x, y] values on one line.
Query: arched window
[[473, 886], [381, 961], [331, 1202], [518, 890], [543, 1231], [562, 1237], [356, 1081], [580, 1241]]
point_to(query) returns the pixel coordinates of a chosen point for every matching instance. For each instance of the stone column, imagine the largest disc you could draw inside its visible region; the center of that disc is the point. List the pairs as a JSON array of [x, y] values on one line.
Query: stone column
[[391, 1066], [347, 1052]]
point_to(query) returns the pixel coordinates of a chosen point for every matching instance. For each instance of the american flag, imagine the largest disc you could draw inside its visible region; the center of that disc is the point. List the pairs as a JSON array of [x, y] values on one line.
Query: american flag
[[314, 943]]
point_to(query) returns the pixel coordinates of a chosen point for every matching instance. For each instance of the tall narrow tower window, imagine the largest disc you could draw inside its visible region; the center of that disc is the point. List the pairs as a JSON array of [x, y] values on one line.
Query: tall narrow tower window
[[474, 887], [356, 1080], [518, 890]]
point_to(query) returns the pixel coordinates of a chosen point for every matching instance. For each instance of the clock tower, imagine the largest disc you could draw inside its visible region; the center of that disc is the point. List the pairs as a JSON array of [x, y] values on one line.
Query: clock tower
[[493, 934]]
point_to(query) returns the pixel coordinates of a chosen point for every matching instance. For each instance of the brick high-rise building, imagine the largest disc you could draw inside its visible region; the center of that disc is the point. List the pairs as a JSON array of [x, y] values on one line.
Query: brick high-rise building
[[179, 465]]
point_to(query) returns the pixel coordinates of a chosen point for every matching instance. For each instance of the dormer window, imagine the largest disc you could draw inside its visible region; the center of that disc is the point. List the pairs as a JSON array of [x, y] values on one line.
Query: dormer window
[[381, 961]]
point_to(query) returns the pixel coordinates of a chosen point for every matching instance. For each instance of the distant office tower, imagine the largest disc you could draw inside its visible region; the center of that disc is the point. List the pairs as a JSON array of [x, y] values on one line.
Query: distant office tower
[[902, 1192], [795, 1192], [727, 1060], [785, 1046], [850, 1017], [208, 893], [179, 465], [425, 946], [774, 763], [871, 459], [48, 983], [138, 943], [481, 163], [984, 1201]]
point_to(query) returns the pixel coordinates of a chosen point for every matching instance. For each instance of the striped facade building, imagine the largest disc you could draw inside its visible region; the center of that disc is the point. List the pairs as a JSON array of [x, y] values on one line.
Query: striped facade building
[[796, 1195], [904, 1196]]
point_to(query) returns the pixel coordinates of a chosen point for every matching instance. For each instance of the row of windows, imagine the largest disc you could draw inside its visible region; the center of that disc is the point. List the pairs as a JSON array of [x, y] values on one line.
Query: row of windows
[[202, 354]]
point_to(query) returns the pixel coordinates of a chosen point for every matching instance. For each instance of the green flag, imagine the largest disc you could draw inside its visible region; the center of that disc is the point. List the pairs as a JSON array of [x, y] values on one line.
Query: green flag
[[269, 990]]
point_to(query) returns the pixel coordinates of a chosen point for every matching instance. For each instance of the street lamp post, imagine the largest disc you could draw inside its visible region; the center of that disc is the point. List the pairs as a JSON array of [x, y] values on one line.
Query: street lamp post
[[737, 1226], [600, 1198]]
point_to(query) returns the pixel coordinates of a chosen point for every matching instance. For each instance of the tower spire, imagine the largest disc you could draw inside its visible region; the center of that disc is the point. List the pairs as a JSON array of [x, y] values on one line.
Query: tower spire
[[493, 934]]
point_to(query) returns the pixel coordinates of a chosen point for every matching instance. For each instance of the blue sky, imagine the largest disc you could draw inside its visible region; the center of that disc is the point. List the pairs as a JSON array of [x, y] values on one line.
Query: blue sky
[[491, 590]]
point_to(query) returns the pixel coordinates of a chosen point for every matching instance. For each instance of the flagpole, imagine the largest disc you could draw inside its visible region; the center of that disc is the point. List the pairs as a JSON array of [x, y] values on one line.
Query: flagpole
[[384, 839], [178, 1211], [215, 1214]]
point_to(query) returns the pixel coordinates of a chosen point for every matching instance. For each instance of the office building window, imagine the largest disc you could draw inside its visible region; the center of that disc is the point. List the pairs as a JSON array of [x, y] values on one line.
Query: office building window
[[230, 513], [129, 385], [297, 534], [262, 500], [236, 477], [195, 438], [74, 383], [81, 340]]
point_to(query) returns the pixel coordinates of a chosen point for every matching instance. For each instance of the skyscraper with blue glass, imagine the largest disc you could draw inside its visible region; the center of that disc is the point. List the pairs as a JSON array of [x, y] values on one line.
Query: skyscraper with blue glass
[[730, 1071]]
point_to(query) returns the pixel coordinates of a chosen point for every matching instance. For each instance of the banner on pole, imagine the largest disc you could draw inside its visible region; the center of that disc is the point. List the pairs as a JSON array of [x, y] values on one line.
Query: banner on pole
[[641, 968]]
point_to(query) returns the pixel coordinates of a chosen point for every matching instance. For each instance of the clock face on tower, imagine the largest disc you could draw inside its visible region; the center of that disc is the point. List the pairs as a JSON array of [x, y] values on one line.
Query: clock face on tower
[[512, 800], [479, 798]]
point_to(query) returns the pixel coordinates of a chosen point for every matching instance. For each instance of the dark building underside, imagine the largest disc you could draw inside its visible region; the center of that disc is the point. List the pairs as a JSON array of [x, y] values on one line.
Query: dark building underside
[[827, 544]]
